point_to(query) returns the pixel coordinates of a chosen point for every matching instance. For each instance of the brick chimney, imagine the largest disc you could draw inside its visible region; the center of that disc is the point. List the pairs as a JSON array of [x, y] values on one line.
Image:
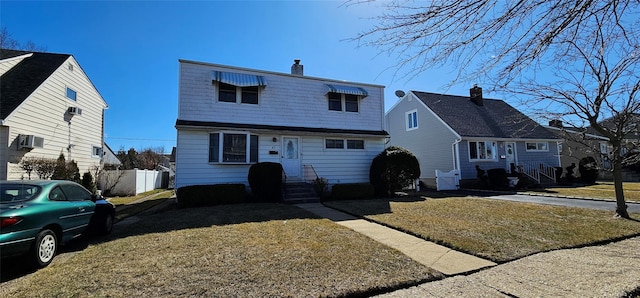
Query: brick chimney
[[476, 95], [555, 123], [297, 68]]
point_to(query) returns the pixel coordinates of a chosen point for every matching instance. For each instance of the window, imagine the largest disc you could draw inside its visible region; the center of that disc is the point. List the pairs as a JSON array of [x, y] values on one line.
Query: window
[[336, 101], [71, 94], [339, 144], [226, 92], [412, 119], [485, 150], [351, 103], [233, 148], [230, 93], [334, 144], [537, 146], [355, 144], [96, 151], [249, 95]]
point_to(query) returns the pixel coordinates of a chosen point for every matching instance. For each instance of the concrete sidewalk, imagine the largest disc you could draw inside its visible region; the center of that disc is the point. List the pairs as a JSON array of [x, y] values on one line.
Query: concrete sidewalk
[[437, 257]]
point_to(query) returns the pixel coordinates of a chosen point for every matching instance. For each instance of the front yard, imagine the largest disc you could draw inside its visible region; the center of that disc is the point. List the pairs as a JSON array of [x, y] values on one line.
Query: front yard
[[493, 229], [269, 250], [252, 250]]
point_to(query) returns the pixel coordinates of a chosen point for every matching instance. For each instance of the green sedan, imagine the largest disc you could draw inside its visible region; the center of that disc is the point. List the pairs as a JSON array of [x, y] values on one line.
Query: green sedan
[[36, 216]]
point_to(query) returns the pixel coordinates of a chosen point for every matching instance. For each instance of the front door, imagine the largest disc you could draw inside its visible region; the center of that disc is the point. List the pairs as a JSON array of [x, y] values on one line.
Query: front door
[[291, 156], [510, 153]]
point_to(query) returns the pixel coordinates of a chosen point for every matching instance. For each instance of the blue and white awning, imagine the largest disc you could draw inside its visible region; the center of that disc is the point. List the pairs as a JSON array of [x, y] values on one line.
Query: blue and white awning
[[347, 90], [239, 79]]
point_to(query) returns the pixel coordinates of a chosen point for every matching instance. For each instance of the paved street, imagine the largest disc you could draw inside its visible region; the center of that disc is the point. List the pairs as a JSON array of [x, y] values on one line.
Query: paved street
[[571, 202]]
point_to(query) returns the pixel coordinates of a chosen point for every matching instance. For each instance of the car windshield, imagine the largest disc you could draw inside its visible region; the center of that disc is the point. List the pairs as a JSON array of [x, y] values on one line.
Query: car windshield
[[11, 193]]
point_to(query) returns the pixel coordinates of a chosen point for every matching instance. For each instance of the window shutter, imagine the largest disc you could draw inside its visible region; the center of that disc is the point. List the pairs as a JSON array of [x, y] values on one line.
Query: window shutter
[[214, 147]]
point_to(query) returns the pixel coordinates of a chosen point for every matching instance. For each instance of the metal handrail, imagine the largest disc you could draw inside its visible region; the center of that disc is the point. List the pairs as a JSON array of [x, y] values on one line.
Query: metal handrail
[[309, 173]]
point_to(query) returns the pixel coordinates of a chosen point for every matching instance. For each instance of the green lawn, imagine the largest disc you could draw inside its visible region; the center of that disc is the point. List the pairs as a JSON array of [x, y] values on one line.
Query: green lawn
[[494, 229], [252, 250]]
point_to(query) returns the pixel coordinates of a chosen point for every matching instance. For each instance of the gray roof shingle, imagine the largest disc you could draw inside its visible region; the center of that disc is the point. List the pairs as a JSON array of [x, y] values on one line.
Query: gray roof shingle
[[24, 78], [494, 119]]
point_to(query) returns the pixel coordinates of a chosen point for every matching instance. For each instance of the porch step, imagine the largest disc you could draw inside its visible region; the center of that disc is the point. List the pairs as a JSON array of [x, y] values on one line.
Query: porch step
[[299, 192]]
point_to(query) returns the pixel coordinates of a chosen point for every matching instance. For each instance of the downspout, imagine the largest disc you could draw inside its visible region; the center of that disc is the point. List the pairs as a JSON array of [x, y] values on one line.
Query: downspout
[[456, 154]]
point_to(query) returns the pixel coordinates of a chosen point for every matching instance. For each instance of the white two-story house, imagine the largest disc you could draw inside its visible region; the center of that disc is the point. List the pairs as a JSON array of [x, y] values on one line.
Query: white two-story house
[[48, 107], [230, 118]]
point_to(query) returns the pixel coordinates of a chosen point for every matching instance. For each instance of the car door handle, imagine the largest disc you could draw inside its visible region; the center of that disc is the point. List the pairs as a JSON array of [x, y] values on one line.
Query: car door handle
[[81, 209]]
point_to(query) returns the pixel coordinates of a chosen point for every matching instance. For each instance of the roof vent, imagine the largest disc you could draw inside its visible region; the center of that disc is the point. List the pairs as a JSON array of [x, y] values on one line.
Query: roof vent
[[297, 68]]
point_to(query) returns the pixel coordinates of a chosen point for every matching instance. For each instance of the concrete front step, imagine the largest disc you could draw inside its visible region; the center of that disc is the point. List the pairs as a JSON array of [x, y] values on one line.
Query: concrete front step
[[299, 193]]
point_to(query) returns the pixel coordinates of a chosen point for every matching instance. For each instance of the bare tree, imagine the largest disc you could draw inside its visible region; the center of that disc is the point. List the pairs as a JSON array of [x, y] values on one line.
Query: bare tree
[[8, 42], [577, 59]]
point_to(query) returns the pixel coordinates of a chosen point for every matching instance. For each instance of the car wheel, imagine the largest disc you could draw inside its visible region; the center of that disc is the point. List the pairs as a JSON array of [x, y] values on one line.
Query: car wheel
[[107, 224], [45, 247]]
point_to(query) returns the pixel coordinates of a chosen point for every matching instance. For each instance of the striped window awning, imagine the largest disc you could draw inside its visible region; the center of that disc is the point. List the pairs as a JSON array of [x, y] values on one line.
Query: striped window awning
[[239, 79], [347, 90]]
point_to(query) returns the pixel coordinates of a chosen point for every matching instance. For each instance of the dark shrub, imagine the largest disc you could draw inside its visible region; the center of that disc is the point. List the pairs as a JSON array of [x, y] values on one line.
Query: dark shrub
[[265, 180], [352, 191], [393, 169], [498, 178], [87, 182], [210, 195], [588, 170]]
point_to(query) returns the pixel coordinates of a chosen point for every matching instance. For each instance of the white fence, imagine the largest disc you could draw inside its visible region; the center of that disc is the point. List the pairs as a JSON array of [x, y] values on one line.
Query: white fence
[[130, 182]]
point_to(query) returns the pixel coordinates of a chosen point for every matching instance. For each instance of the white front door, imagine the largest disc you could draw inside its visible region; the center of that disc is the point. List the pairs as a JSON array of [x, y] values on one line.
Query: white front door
[[510, 153], [291, 156]]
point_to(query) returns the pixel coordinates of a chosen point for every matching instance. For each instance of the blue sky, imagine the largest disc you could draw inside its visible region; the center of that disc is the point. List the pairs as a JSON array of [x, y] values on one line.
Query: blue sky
[[130, 50]]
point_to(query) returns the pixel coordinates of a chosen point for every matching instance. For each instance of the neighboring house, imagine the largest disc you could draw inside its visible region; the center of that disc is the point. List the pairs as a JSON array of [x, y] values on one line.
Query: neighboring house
[[230, 118], [109, 158], [578, 144], [448, 132], [48, 107]]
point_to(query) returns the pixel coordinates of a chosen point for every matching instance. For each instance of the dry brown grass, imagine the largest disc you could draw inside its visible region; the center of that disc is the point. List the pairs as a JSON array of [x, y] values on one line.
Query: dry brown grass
[[253, 250], [601, 190], [498, 230]]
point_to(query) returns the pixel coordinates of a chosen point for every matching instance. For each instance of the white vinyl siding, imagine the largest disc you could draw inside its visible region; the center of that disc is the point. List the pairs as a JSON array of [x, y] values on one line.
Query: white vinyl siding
[[338, 166], [31, 119], [306, 96]]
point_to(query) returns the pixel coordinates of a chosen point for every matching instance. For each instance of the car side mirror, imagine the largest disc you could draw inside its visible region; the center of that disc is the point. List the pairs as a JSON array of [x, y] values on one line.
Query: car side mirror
[[95, 198]]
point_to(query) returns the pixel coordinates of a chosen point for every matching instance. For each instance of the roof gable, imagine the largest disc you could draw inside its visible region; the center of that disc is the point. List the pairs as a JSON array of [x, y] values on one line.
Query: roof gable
[[493, 119], [20, 81]]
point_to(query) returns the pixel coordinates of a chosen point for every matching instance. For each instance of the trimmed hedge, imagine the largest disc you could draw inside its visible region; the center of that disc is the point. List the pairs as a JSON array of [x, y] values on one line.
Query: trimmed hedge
[[265, 180], [352, 191], [210, 195]]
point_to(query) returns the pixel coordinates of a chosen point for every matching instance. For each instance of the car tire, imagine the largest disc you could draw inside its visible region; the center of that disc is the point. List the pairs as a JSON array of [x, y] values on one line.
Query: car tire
[[107, 225], [45, 247]]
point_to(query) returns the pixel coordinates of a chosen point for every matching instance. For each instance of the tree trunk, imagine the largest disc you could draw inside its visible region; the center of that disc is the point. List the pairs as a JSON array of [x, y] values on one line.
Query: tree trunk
[[621, 206]]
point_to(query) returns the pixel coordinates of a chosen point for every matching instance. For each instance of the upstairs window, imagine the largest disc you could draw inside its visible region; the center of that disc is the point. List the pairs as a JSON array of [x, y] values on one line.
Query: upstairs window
[[412, 120], [226, 92], [229, 147], [96, 151], [71, 94], [483, 150], [343, 102], [537, 146], [238, 87], [345, 98]]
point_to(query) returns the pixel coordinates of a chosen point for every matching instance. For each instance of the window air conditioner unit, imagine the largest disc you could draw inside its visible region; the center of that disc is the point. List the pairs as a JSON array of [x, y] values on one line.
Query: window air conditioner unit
[[74, 111], [30, 141]]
